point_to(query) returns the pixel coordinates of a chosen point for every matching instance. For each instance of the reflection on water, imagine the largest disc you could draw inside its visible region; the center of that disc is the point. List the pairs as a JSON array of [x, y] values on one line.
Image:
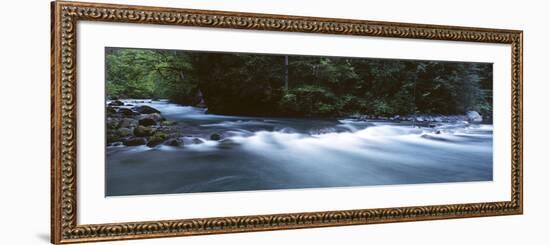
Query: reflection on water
[[280, 153]]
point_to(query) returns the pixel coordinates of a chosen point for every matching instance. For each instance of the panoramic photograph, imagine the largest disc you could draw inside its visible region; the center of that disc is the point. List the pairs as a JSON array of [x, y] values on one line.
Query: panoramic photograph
[[181, 121]]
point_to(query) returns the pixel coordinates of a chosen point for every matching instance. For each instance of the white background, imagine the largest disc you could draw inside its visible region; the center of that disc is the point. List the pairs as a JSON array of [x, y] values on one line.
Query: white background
[[25, 122], [94, 208]]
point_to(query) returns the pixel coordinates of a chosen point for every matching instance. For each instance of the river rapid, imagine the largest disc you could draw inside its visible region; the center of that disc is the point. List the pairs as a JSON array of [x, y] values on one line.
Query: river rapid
[[258, 153]]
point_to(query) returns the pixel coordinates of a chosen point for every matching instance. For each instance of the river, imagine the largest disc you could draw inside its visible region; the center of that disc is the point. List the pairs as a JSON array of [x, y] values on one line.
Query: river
[[284, 153]]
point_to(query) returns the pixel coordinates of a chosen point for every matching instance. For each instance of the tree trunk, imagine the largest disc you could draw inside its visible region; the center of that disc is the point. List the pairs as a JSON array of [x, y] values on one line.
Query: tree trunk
[[286, 72]]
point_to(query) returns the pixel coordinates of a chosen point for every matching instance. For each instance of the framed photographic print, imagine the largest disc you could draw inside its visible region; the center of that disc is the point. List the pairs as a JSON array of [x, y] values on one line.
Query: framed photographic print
[[175, 122]]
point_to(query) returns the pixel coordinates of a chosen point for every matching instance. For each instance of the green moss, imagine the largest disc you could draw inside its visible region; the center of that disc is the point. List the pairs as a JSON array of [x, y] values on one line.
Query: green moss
[[160, 135], [157, 138]]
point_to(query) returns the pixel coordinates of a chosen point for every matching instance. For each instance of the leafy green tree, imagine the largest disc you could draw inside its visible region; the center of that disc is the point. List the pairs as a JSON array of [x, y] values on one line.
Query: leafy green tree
[[128, 73]]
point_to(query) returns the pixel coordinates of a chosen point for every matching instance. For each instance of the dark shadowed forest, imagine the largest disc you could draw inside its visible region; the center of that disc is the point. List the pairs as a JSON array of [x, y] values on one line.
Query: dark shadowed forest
[[299, 86]]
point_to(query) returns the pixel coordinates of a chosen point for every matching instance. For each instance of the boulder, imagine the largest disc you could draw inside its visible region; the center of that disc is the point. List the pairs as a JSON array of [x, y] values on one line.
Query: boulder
[[189, 140], [154, 116], [147, 122], [128, 123], [144, 109], [135, 141], [112, 123], [157, 139], [116, 103], [215, 136], [110, 110], [112, 137], [142, 131], [127, 112], [473, 116], [123, 132], [174, 142]]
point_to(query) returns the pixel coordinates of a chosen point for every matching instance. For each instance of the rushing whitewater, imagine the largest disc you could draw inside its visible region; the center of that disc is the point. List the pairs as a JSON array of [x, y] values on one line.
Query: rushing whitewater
[[281, 153]]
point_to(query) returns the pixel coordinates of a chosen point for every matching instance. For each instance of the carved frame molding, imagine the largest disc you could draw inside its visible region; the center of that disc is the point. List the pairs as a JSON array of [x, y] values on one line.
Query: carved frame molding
[[66, 15]]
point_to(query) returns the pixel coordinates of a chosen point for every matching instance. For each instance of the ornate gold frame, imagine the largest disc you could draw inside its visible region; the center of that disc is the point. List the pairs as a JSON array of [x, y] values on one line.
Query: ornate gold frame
[[65, 15]]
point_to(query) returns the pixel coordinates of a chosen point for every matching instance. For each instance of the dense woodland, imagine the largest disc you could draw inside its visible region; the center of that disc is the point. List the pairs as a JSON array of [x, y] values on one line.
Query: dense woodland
[[313, 86]]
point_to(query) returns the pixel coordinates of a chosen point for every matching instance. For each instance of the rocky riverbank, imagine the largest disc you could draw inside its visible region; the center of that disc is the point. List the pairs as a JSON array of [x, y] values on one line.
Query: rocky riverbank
[[422, 119], [141, 122], [131, 125]]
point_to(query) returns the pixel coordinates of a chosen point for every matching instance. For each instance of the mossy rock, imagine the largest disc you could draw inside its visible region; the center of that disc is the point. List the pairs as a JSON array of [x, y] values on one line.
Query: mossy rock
[[123, 132], [127, 112], [112, 137], [144, 109], [112, 123], [128, 123], [135, 141], [157, 139], [116, 103], [110, 110], [215, 136], [142, 131], [147, 122], [154, 116], [174, 142], [160, 134]]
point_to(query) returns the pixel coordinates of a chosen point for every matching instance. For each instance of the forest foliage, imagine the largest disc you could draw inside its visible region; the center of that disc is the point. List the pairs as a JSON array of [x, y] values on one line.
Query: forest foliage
[[254, 84]]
